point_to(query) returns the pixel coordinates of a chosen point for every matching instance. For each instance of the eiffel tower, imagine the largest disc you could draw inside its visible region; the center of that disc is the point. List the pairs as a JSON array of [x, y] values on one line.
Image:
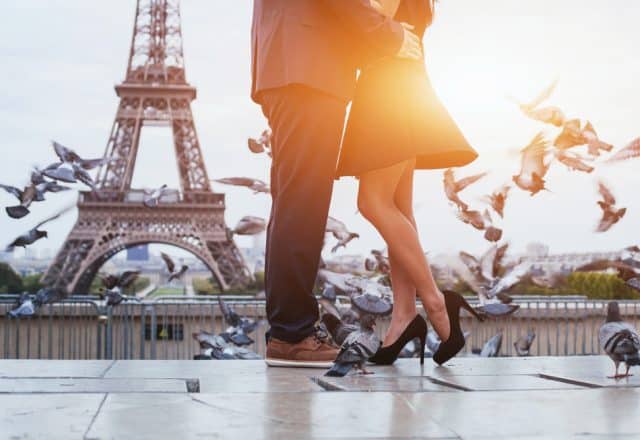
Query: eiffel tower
[[113, 218]]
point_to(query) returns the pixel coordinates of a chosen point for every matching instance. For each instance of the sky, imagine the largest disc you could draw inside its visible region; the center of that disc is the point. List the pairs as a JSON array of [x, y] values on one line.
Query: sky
[[61, 59]]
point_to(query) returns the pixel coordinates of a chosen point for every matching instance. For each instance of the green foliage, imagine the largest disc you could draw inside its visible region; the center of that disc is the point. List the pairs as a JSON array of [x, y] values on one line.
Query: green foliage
[[204, 286], [600, 285], [31, 283], [9, 279]]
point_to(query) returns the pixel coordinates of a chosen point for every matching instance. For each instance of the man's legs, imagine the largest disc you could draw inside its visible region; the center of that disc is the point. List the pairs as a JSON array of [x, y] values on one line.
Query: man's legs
[[307, 127]]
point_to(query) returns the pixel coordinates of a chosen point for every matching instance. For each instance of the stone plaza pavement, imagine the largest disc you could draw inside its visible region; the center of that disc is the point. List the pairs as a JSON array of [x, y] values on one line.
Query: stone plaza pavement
[[538, 397]]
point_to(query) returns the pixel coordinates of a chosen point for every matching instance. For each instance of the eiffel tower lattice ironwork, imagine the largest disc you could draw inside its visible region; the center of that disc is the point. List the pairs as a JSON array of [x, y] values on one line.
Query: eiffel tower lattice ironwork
[[113, 218]]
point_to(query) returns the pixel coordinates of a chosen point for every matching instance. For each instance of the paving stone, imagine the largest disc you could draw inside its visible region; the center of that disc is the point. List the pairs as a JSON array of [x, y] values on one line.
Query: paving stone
[[270, 415], [50, 417], [504, 383], [92, 385], [52, 368], [550, 414], [378, 384]]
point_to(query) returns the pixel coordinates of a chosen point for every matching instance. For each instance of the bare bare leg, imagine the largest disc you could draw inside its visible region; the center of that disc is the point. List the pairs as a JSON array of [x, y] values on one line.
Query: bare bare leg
[[376, 201], [404, 291]]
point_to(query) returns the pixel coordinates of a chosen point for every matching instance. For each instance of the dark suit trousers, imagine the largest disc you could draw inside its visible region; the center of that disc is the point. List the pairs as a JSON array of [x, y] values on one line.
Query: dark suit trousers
[[307, 127]]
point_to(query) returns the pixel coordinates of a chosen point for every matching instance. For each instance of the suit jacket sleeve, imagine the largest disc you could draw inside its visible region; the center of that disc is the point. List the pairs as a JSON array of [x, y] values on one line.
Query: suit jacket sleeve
[[383, 34]]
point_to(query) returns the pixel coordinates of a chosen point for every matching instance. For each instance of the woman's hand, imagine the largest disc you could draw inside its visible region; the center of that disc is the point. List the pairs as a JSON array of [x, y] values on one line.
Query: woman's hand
[[411, 48]]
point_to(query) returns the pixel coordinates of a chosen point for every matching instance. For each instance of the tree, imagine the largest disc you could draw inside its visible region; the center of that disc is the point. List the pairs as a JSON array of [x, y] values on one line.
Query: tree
[[10, 281]]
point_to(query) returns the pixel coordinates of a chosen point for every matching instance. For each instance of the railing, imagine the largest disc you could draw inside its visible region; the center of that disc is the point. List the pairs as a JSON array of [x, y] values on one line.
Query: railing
[[83, 328]]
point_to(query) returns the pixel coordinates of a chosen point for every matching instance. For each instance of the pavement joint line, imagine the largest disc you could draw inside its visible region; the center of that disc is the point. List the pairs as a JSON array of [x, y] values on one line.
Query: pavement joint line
[[95, 416], [108, 368], [439, 381], [569, 381]]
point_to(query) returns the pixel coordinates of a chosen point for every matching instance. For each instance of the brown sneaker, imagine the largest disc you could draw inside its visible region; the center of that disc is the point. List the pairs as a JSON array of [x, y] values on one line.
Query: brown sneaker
[[311, 352]]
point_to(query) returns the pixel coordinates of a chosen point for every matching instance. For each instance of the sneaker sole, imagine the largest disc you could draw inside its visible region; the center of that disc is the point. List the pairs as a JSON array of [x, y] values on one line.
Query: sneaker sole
[[297, 364]]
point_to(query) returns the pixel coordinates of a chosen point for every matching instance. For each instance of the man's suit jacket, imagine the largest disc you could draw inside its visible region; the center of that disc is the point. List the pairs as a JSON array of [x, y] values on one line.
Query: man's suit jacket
[[317, 43]]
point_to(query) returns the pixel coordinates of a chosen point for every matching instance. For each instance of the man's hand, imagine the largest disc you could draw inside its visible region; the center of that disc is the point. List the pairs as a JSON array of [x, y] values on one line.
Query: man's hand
[[410, 48]]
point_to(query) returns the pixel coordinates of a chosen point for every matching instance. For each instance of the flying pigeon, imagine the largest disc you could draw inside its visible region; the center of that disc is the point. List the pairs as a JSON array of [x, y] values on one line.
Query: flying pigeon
[[250, 225], [573, 161], [35, 233], [340, 233], [533, 167], [627, 273], [257, 186], [492, 347], [262, 144], [610, 214], [631, 151], [523, 344], [498, 198], [452, 187], [549, 115], [114, 285], [175, 273], [619, 340], [152, 197]]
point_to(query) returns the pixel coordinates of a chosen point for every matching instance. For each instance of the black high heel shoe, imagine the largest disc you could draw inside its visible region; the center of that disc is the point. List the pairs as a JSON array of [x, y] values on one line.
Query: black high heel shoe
[[417, 328], [449, 348]]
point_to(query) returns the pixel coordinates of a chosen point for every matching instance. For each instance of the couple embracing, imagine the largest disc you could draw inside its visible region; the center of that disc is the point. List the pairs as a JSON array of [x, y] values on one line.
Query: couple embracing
[[306, 55]]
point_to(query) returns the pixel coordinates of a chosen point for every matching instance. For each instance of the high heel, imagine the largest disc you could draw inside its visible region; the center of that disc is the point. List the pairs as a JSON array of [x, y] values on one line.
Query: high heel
[[417, 328], [452, 346]]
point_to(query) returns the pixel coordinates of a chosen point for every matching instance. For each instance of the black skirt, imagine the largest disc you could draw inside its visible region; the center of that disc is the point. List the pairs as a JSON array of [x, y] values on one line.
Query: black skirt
[[396, 116]]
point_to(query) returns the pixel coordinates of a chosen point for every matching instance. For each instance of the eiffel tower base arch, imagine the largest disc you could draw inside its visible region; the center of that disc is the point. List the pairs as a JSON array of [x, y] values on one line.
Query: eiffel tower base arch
[[106, 227]]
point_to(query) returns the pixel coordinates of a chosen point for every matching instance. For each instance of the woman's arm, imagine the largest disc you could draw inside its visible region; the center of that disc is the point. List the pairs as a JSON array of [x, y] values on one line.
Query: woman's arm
[[386, 7]]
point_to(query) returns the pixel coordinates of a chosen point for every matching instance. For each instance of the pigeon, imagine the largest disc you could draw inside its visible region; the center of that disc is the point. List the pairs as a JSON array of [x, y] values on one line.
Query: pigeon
[[482, 276], [340, 232], [379, 263], [34, 234], [410, 350], [250, 225], [370, 304], [610, 214], [337, 329], [175, 273], [453, 187], [329, 293], [433, 341], [549, 115], [356, 349], [49, 295], [627, 273], [492, 346], [533, 166], [213, 345], [497, 309], [262, 144], [239, 327], [26, 197], [67, 155], [482, 222], [574, 134], [339, 281], [573, 161], [498, 198], [631, 151], [114, 285], [152, 197], [619, 340], [523, 344], [24, 307], [257, 186]]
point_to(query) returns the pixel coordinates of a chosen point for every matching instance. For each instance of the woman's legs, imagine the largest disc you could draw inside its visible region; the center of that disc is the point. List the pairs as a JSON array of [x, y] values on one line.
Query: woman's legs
[[404, 291], [377, 202]]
